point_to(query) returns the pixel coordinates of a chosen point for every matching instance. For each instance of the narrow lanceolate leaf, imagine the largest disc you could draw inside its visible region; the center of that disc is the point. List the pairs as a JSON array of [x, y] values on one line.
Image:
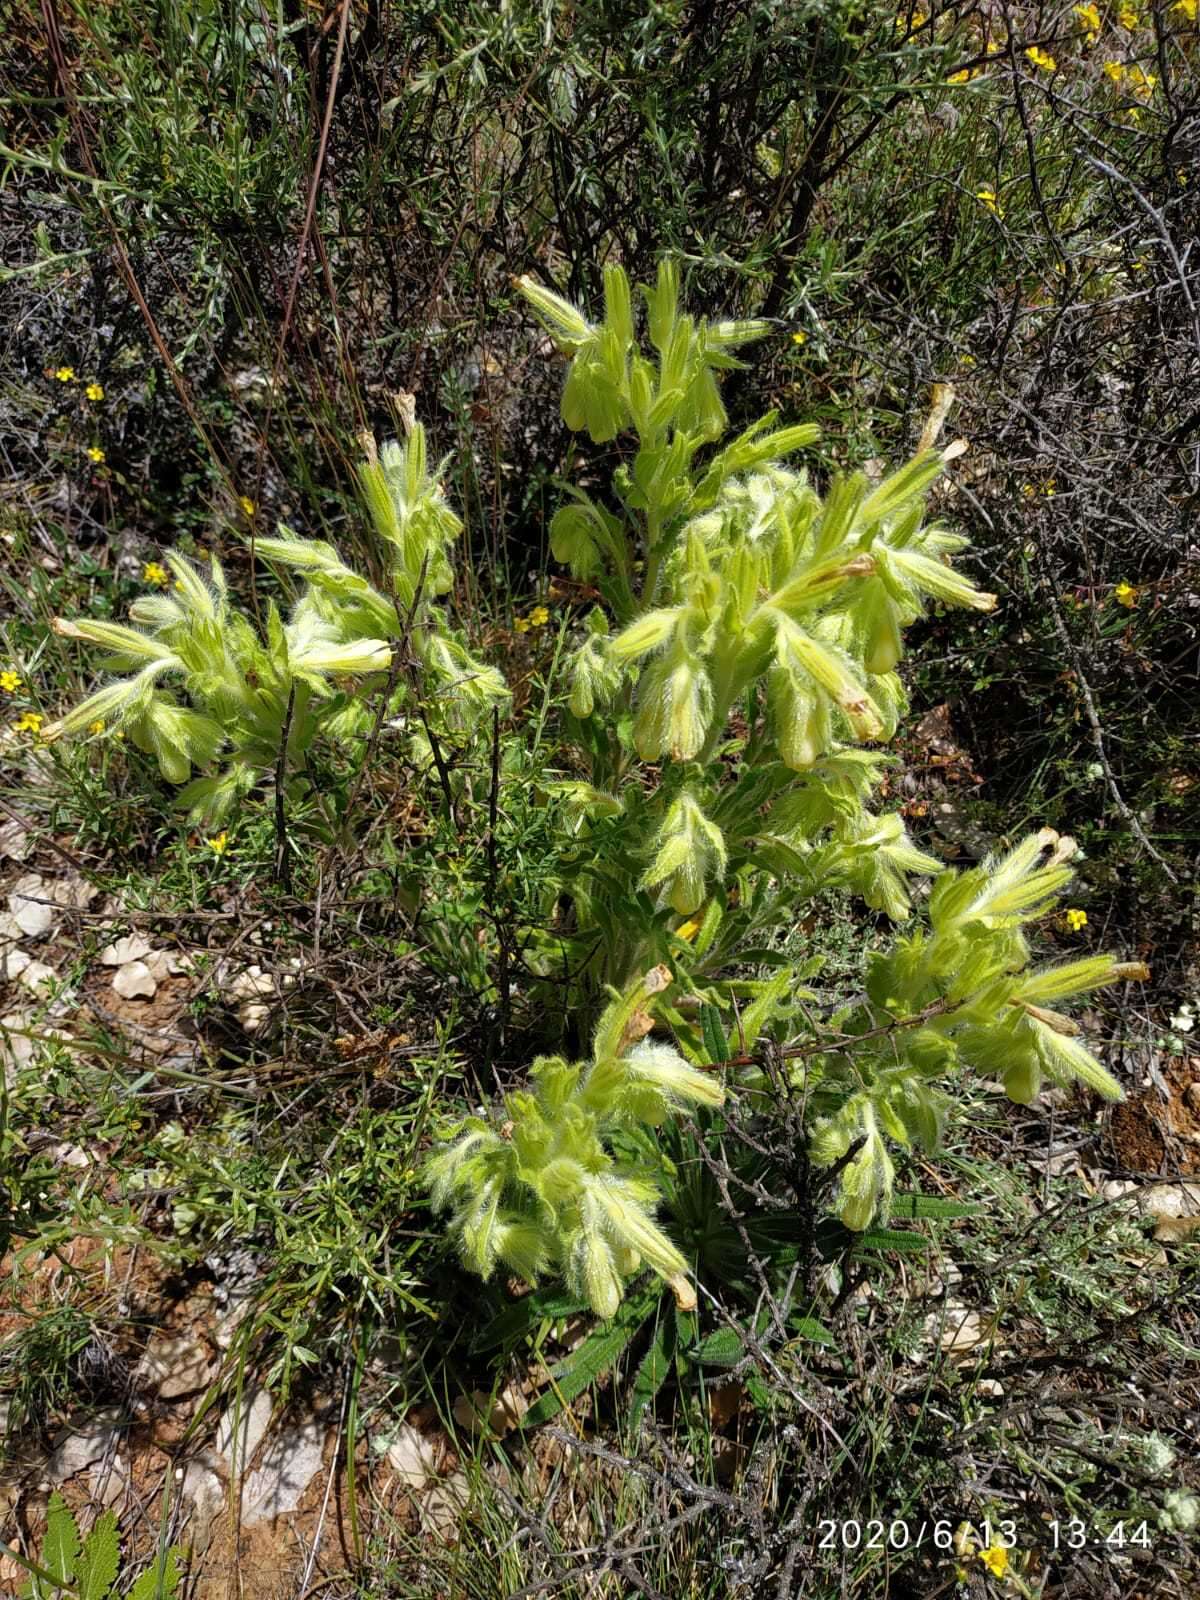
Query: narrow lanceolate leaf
[[595, 1356], [655, 1367], [891, 1239], [715, 1042], [931, 1207]]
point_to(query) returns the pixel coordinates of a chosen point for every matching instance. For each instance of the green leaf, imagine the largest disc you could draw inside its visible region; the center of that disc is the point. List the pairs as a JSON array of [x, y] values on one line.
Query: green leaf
[[891, 1239], [160, 1581], [917, 1207], [100, 1558], [810, 1328], [598, 1353], [61, 1548], [521, 1318], [715, 1042], [656, 1364], [724, 1348]]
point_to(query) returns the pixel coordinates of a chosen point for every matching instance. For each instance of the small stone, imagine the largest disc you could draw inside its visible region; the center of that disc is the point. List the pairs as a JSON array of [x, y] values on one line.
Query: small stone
[[252, 984], [1192, 1095], [252, 1424], [413, 1456], [134, 981], [991, 1387], [289, 1464], [175, 1366], [441, 1509], [15, 840], [131, 948], [38, 978], [73, 892], [75, 1452], [1170, 1200], [165, 964], [253, 1015], [202, 1489], [27, 904], [13, 962], [480, 1413], [16, 1047]]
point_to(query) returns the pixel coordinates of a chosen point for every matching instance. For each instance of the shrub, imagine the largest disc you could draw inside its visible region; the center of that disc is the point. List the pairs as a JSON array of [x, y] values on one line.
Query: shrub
[[713, 779]]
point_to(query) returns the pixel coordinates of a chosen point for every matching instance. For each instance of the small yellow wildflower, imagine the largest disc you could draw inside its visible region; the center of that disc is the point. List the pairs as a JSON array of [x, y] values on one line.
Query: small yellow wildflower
[[1141, 83], [65, 374], [799, 338], [94, 390], [1187, 7], [1114, 70], [10, 681], [539, 617], [1126, 595], [1028, 491], [96, 455], [28, 722], [966, 361], [521, 625], [96, 727], [987, 197], [689, 930], [995, 1557], [247, 505], [154, 572], [1040, 59], [1075, 919], [1048, 488], [218, 843], [1128, 18], [1089, 15]]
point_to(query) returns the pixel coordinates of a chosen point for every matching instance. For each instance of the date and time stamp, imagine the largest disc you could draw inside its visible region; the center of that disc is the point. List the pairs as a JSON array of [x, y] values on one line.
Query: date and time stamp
[[997, 1546], [958, 1538]]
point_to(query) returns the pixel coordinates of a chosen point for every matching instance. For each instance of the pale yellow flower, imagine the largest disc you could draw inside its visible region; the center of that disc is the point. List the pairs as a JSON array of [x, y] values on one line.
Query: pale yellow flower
[[539, 617], [802, 338], [521, 625], [988, 198], [94, 390], [96, 727], [1089, 15], [155, 573], [29, 722], [1128, 18], [247, 505], [1141, 83], [65, 374], [1040, 59], [995, 1557], [217, 844]]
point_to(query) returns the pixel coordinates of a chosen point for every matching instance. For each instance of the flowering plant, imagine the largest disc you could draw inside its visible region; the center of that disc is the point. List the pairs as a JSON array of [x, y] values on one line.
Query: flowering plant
[[254, 701]]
